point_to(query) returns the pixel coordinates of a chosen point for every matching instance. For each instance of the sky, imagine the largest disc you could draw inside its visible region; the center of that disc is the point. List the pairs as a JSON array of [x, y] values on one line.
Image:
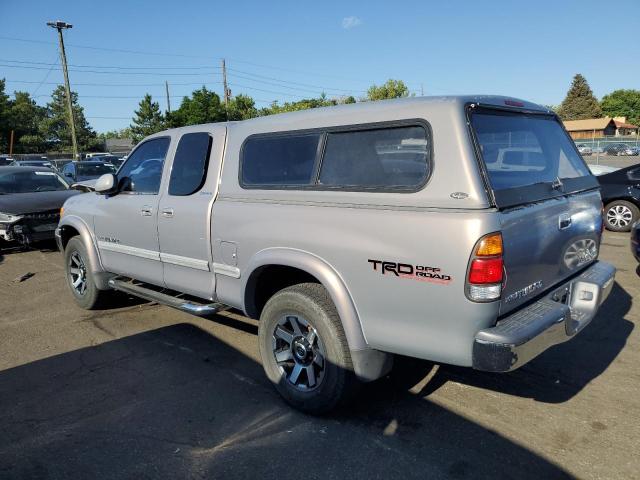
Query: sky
[[285, 51]]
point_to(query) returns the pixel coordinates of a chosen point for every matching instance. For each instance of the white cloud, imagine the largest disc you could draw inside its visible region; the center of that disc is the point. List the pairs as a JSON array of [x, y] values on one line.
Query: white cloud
[[351, 22]]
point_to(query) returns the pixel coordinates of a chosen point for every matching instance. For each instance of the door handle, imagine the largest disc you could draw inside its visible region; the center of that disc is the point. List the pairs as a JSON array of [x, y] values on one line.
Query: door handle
[[167, 212], [146, 211]]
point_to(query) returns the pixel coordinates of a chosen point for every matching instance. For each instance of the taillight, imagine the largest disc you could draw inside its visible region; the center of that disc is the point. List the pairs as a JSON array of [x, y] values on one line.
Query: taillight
[[486, 267]]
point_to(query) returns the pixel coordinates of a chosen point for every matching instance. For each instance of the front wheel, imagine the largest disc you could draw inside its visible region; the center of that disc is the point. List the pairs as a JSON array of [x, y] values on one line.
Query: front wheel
[[79, 276], [619, 215], [304, 349]]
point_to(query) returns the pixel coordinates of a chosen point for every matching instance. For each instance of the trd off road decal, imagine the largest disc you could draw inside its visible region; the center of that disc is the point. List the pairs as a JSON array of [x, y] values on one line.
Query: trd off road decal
[[414, 272]]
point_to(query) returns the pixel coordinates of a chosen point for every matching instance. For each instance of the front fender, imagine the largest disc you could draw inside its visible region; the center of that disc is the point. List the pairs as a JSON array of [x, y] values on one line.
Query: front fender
[[64, 232], [368, 363]]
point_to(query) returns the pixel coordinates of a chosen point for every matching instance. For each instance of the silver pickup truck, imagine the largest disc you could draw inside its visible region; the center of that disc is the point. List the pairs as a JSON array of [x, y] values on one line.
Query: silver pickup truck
[[462, 230]]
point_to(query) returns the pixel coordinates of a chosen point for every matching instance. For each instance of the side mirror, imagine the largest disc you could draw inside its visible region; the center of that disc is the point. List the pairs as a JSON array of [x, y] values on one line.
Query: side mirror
[[125, 184], [106, 184], [68, 174]]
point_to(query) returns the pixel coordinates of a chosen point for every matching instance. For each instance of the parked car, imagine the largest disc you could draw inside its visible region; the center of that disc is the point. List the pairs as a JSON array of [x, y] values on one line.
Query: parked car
[[5, 160], [30, 201], [617, 149], [585, 150], [621, 198], [95, 154], [86, 170], [635, 240], [347, 253], [601, 169], [60, 162], [33, 163], [111, 159]]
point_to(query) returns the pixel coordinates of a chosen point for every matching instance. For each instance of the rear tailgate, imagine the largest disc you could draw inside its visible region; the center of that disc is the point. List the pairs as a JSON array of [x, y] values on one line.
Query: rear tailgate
[[549, 203]]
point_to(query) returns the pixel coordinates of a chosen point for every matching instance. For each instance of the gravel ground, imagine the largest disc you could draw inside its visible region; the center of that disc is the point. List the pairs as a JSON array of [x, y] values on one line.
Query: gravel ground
[[143, 391]]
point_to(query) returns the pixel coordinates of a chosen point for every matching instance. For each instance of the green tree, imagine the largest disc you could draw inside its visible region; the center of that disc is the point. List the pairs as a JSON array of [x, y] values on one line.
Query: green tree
[[26, 117], [203, 106], [390, 89], [622, 103], [147, 120], [55, 129], [242, 107], [580, 103], [304, 104]]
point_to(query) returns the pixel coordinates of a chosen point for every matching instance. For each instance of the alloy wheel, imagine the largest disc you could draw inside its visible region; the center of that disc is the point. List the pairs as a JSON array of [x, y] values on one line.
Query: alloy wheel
[[77, 273], [299, 352], [619, 216]]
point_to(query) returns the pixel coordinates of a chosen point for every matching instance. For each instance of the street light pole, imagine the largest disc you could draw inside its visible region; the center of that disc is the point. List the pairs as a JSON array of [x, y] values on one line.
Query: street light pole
[[59, 25]]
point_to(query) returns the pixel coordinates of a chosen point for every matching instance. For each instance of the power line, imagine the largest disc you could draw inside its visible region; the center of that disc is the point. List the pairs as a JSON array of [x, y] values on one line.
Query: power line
[[295, 83], [114, 73], [44, 79], [119, 67], [118, 84]]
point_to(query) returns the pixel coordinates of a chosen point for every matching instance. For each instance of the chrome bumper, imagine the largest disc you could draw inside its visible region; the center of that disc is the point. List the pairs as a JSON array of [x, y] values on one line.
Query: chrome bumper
[[554, 319]]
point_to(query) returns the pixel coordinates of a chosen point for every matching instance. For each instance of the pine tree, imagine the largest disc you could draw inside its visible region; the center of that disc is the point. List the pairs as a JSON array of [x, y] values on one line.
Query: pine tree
[[580, 103], [147, 120], [55, 130]]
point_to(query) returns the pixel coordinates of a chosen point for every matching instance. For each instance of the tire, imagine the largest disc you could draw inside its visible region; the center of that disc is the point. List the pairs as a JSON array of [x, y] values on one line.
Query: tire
[[317, 343], [620, 215], [85, 292]]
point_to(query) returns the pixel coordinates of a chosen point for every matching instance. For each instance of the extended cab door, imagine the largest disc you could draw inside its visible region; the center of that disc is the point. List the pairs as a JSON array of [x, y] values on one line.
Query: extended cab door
[[126, 224], [184, 217]]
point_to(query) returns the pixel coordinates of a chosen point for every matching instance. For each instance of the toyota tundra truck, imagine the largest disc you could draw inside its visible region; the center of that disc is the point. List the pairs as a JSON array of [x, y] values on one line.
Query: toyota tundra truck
[[464, 230]]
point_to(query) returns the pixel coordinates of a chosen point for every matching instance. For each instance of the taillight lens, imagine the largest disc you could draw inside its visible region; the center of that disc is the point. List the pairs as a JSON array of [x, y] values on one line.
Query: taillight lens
[[486, 267], [485, 270]]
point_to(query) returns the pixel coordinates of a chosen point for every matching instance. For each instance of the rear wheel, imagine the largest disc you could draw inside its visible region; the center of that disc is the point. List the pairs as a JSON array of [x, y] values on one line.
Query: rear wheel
[[619, 215], [79, 276], [304, 349]]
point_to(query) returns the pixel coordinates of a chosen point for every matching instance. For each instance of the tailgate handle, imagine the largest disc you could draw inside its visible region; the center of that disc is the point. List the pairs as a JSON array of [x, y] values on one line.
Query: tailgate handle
[[564, 222]]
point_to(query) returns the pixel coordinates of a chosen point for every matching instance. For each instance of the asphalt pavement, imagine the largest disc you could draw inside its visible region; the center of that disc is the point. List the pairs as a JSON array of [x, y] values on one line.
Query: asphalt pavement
[[144, 391]]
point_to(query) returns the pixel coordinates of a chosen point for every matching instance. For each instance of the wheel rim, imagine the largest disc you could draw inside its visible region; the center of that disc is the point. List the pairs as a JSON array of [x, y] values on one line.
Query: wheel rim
[[299, 352], [77, 273], [619, 216]]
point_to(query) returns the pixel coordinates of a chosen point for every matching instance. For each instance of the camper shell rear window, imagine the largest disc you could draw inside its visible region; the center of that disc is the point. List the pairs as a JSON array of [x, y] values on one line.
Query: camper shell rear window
[[526, 156]]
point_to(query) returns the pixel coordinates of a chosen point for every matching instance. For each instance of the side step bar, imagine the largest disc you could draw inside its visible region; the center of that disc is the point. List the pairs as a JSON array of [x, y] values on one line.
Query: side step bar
[[188, 306]]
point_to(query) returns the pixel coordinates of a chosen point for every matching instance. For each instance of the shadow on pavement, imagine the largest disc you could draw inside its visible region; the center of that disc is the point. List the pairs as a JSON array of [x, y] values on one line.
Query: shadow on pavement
[[562, 371], [177, 402]]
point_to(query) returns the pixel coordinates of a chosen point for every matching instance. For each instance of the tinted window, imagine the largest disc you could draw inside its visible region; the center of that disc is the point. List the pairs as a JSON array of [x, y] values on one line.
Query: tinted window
[[189, 168], [379, 158], [280, 160], [144, 166], [23, 182], [521, 150]]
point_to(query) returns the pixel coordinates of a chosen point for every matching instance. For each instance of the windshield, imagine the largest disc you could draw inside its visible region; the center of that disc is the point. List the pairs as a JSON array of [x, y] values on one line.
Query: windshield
[[25, 182], [521, 150], [94, 170]]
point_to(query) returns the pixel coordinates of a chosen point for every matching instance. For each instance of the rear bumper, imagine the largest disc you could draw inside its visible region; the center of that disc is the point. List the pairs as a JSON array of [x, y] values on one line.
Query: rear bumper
[[554, 319]]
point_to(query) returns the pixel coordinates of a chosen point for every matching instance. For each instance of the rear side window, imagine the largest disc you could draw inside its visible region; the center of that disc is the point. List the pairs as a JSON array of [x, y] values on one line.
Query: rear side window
[[189, 169], [378, 158], [280, 160], [393, 158]]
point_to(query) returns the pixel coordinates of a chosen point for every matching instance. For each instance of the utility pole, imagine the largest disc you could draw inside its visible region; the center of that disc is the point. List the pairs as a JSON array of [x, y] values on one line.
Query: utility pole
[[11, 145], [59, 25], [166, 85], [227, 92], [421, 90]]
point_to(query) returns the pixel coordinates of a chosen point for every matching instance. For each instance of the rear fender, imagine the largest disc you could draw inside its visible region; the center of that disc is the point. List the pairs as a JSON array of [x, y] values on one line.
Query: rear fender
[[369, 364]]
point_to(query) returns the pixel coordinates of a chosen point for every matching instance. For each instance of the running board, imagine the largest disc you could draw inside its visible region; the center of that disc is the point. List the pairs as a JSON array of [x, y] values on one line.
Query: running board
[[188, 306]]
